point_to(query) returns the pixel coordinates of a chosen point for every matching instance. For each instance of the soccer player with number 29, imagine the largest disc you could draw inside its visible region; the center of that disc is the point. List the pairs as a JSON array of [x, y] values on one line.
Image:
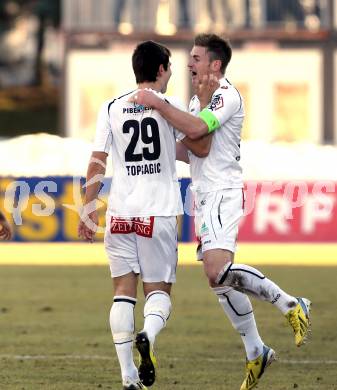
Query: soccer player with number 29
[[141, 224]]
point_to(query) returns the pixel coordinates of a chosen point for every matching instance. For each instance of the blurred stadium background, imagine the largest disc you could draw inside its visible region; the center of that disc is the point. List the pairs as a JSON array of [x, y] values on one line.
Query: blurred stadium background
[[59, 60]]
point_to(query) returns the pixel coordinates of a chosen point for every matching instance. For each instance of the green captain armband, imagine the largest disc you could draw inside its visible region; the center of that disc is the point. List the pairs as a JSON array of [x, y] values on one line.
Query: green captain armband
[[210, 120]]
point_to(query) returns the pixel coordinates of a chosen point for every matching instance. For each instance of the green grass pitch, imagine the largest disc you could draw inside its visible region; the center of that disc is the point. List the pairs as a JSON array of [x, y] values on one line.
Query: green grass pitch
[[54, 332]]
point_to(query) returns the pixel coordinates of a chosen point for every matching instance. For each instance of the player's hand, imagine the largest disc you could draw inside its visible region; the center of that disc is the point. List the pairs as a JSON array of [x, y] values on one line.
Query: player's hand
[[5, 230], [145, 98], [87, 226], [208, 85]]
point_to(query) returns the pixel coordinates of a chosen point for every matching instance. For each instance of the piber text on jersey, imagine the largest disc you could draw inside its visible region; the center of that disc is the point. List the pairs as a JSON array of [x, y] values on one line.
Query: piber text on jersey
[[136, 109]]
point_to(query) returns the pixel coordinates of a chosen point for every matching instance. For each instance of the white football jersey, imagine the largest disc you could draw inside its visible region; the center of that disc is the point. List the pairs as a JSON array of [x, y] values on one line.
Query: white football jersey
[[221, 168], [143, 152]]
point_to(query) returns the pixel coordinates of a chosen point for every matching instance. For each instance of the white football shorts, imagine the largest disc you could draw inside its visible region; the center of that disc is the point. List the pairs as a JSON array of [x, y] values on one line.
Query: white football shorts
[[217, 217], [145, 246]]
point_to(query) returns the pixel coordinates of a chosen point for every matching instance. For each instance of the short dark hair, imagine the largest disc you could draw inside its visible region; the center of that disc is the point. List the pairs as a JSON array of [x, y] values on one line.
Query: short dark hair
[[218, 48], [146, 59]]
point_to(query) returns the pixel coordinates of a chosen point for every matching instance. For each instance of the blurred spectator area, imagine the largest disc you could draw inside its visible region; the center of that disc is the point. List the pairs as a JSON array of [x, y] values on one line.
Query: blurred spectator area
[[267, 36], [167, 17], [38, 37], [31, 58], [30, 42]]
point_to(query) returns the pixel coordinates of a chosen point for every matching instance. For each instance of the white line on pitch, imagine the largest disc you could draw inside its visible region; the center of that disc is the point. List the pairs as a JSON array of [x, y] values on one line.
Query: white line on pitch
[[100, 357]]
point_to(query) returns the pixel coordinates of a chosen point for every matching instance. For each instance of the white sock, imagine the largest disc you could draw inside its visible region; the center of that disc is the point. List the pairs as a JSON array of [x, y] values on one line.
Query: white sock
[[251, 281], [239, 310], [157, 310], [122, 324]]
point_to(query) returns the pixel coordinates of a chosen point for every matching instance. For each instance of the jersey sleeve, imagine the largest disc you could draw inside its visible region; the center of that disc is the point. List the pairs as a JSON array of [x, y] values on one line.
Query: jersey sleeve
[[103, 138], [224, 104]]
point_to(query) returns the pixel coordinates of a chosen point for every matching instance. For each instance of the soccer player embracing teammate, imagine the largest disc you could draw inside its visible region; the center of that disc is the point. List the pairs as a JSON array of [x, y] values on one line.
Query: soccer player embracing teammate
[[141, 220], [219, 200]]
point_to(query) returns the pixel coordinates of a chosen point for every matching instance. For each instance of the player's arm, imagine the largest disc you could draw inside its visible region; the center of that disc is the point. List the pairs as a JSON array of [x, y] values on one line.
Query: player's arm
[[192, 126], [181, 152], [5, 229], [89, 219], [95, 173], [199, 147]]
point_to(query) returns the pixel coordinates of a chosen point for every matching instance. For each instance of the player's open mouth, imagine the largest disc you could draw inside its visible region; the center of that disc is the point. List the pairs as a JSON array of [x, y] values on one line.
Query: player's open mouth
[[193, 74]]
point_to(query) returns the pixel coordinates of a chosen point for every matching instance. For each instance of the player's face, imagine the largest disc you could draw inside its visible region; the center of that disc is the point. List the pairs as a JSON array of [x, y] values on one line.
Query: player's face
[[166, 77], [199, 64]]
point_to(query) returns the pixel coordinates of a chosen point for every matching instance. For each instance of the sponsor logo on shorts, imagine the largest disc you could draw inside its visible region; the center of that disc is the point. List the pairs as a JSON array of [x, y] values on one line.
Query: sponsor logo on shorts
[[141, 226]]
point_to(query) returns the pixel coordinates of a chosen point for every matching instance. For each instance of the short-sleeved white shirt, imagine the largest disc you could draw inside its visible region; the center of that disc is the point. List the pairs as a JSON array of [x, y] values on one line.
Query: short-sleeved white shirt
[[142, 145], [221, 168]]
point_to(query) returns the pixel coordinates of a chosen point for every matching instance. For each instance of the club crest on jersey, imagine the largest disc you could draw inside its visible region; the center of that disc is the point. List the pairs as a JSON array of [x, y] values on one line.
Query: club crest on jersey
[[216, 103]]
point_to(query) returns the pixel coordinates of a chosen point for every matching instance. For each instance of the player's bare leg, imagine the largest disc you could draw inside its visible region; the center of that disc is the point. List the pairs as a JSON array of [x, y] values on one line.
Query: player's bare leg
[[235, 304], [238, 308], [251, 281]]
